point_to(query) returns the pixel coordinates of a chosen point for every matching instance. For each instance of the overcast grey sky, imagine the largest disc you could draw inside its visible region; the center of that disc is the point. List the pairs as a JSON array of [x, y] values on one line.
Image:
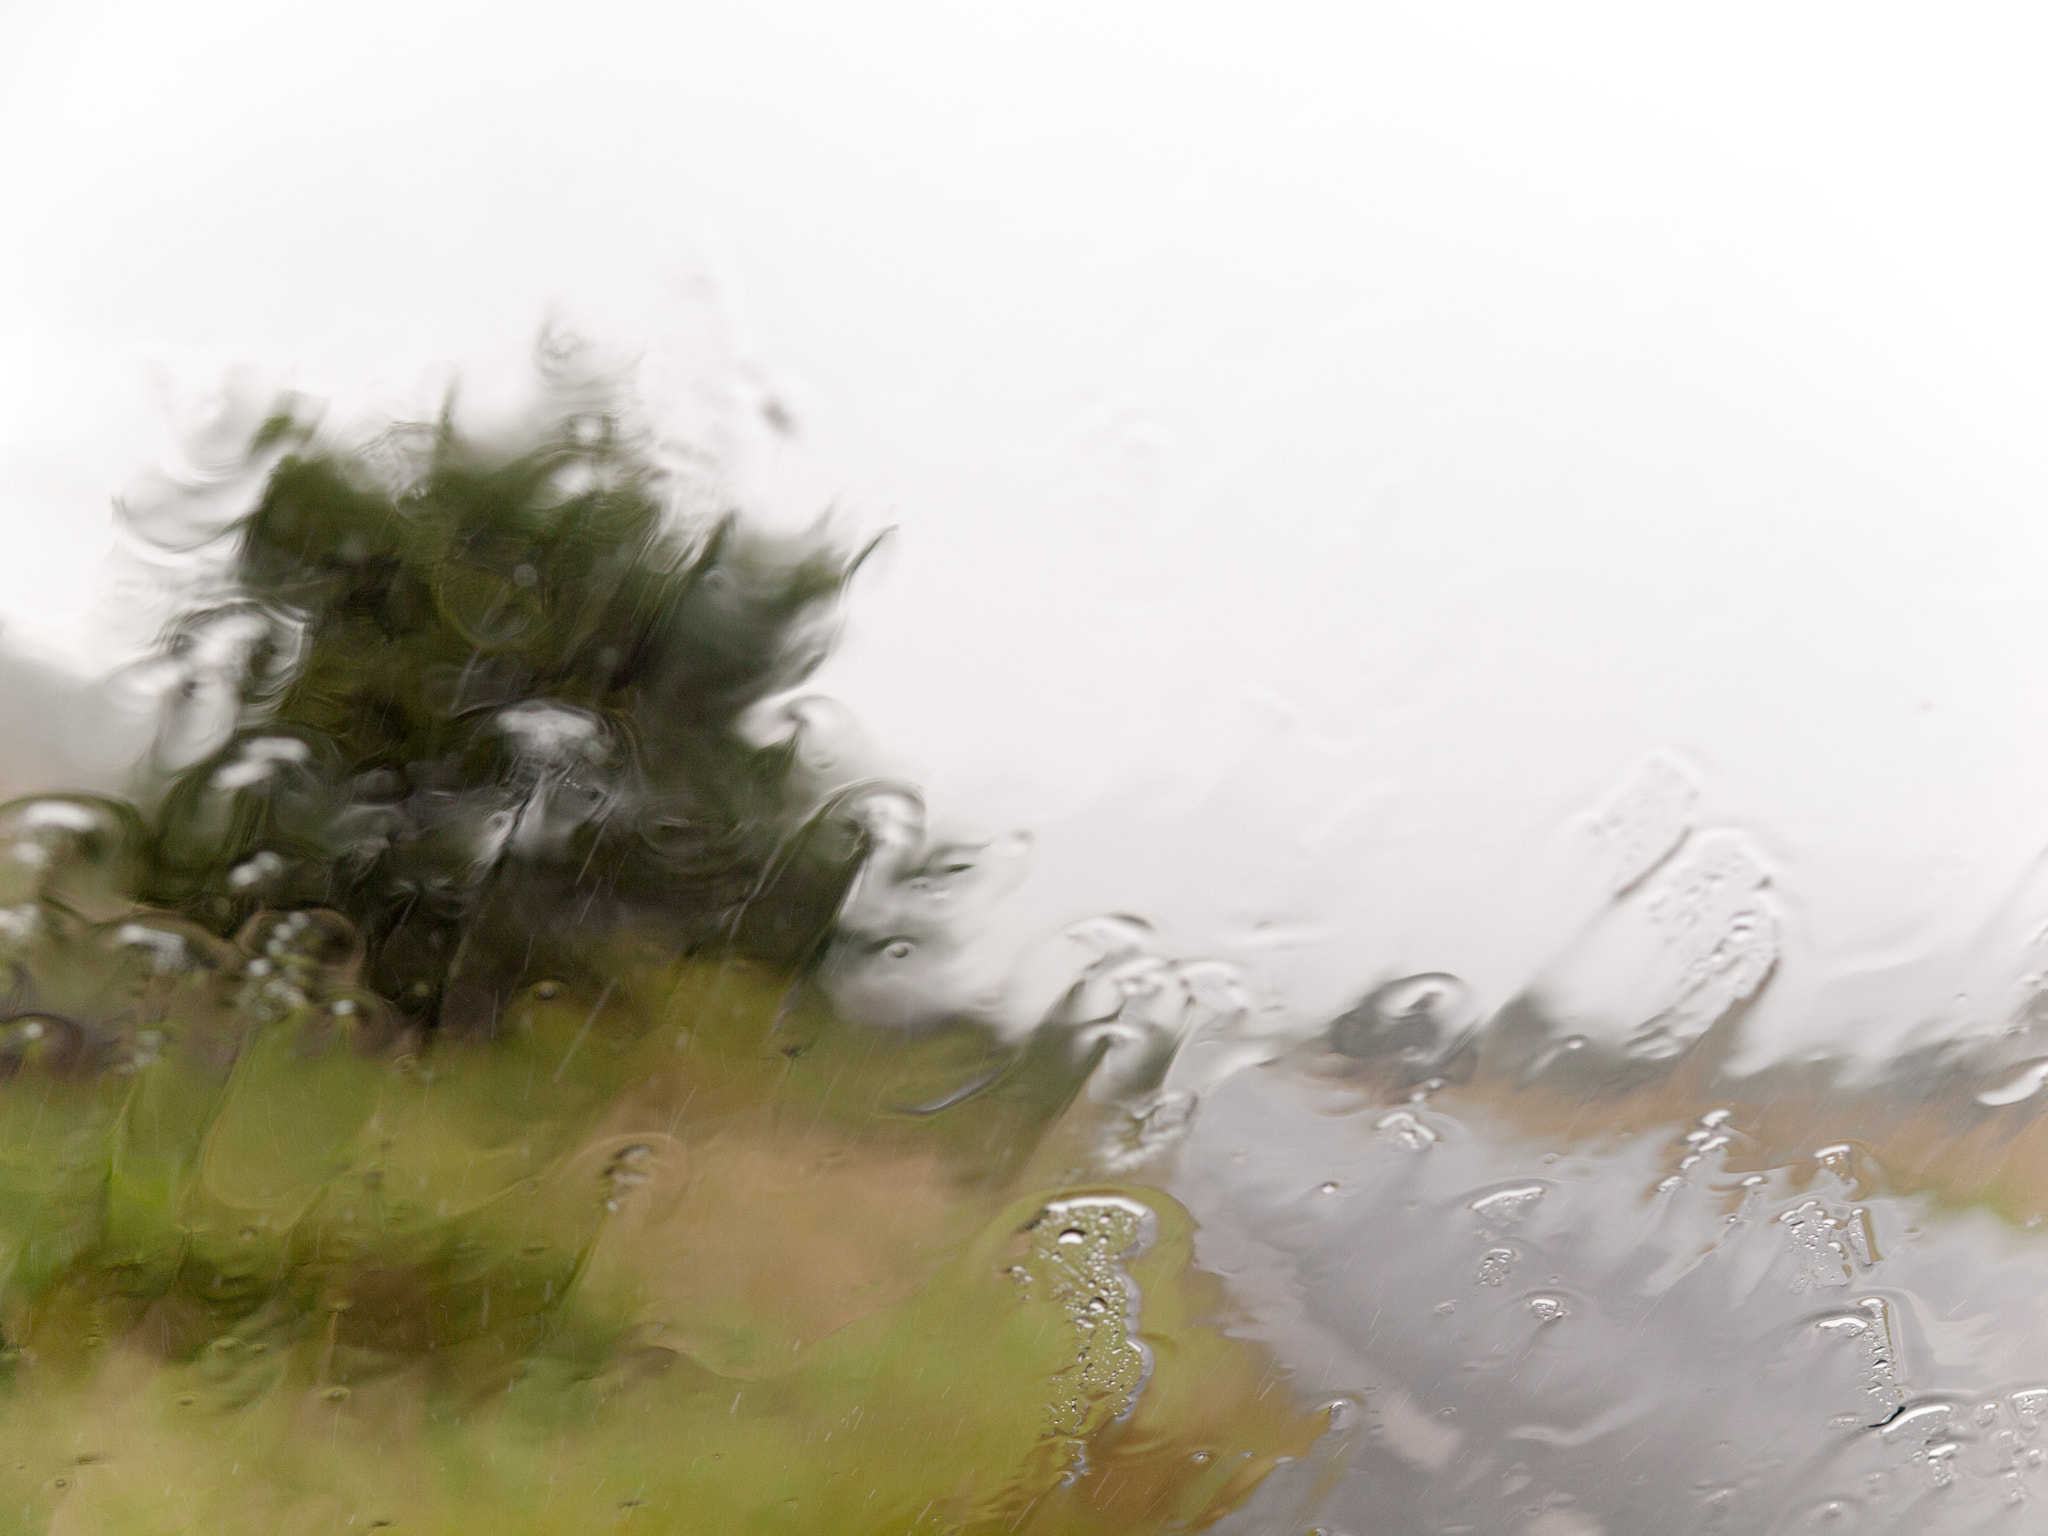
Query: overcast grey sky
[[1334, 448]]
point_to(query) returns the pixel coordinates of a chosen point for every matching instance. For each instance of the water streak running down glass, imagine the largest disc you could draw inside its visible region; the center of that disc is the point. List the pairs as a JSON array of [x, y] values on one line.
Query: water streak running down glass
[[503, 1060]]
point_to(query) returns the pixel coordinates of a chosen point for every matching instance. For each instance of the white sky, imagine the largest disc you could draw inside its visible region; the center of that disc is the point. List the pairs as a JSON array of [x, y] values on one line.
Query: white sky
[[1332, 445]]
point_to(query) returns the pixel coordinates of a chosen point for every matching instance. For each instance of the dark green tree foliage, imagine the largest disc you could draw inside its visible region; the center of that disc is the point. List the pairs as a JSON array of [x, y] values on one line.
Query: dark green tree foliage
[[488, 701]]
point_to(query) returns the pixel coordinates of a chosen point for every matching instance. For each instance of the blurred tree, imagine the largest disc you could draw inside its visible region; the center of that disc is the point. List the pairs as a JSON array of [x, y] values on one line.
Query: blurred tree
[[488, 701]]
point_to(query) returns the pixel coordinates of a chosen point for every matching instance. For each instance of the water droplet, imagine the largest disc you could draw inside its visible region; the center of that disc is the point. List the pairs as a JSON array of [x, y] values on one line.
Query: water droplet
[[1646, 819], [1081, 1271], [1494, 1265], [1925, 1422], [1418, 1020], [1546, 1309], [1402, 1128], [2021, 1085], [1510, 1206], [1830, 1515]]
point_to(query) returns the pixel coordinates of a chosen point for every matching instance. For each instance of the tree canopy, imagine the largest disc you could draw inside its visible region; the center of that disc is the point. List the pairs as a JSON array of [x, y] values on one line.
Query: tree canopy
[[490, 700]]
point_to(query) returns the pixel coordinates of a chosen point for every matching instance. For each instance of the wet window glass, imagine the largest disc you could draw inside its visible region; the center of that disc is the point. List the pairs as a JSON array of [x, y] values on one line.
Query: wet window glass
[[915, 773]]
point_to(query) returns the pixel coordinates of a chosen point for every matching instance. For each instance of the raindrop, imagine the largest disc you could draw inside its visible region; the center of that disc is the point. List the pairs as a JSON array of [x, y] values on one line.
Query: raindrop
[[1508, 1207], [1831, 1515], [1494, 1265], [1403, 1129], [1418, 1021], [2021, 1085]]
